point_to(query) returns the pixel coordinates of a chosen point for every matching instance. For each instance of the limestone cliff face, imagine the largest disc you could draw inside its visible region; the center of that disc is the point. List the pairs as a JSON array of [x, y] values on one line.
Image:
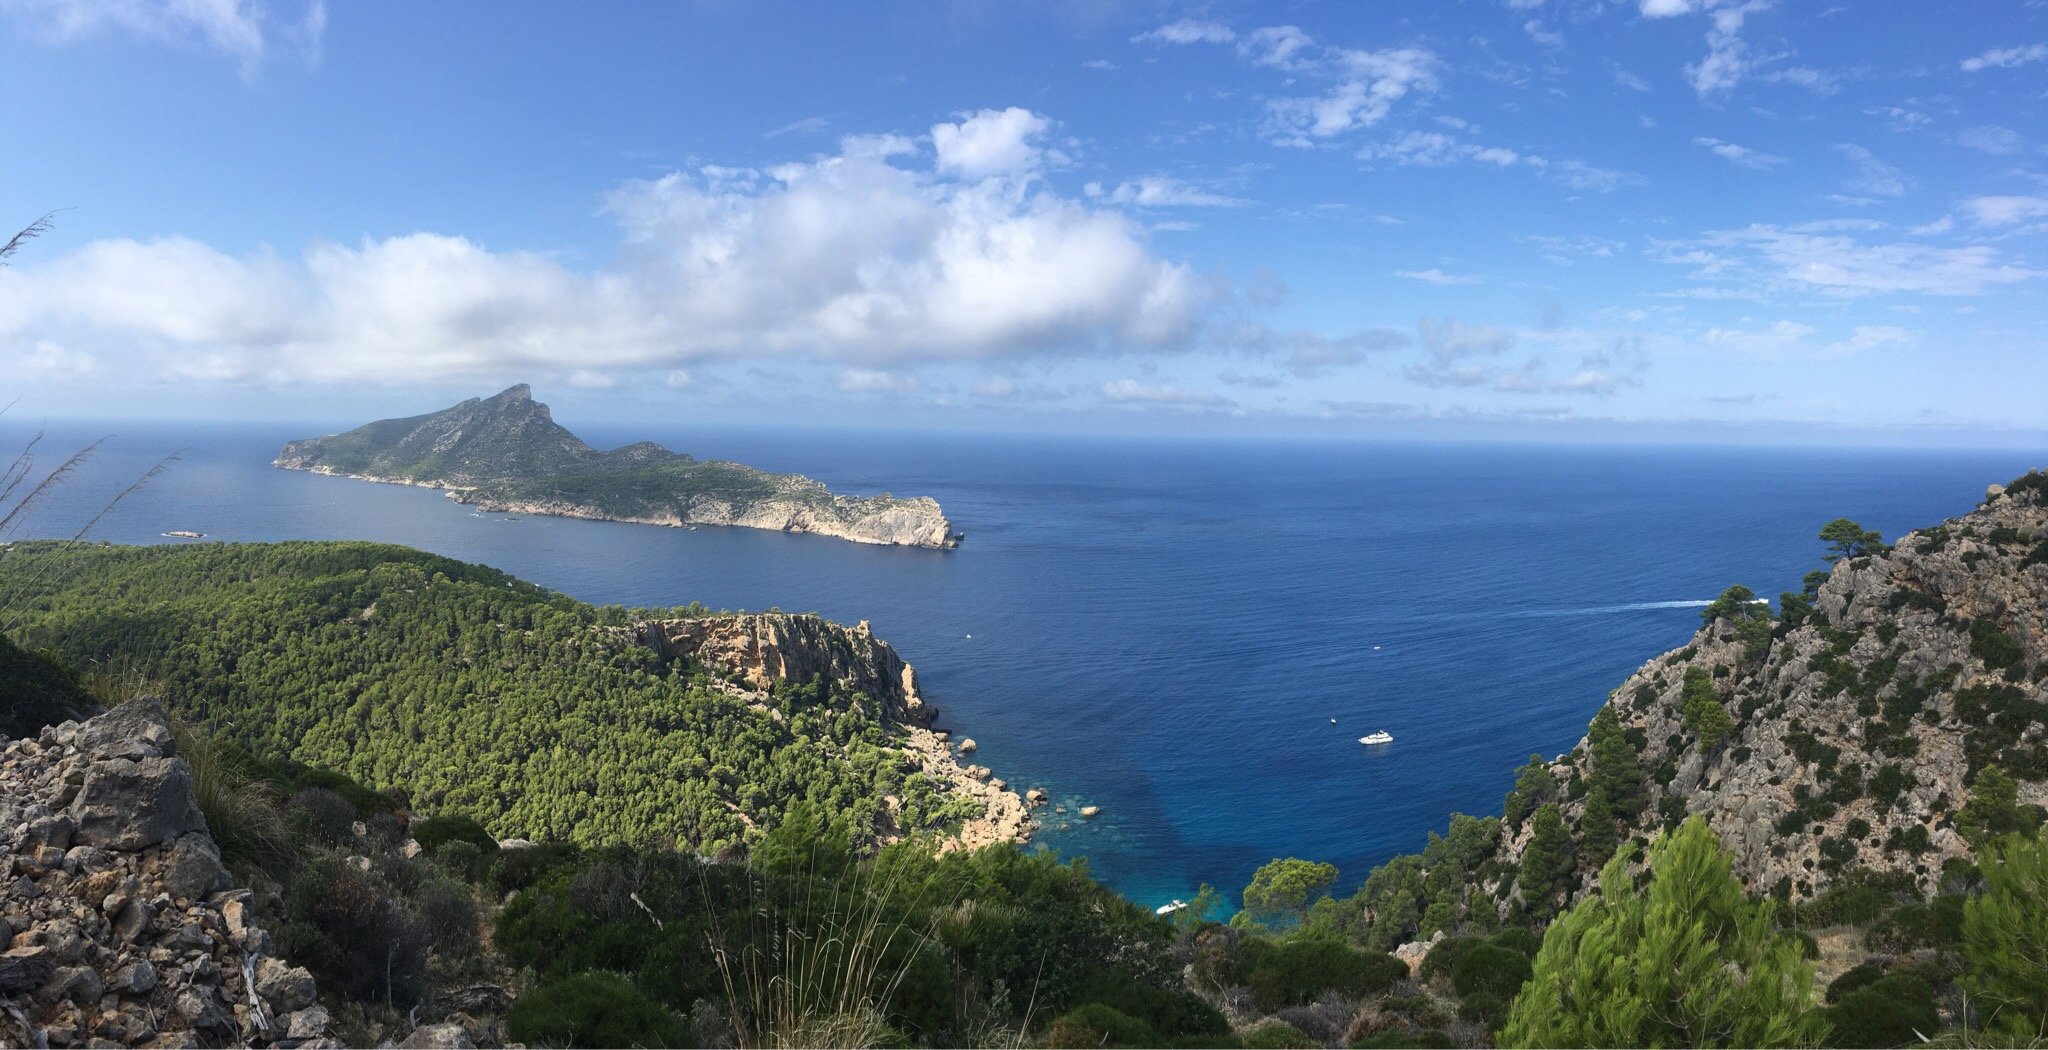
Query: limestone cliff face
[[766, 647], [1857, 733], [123, 927]]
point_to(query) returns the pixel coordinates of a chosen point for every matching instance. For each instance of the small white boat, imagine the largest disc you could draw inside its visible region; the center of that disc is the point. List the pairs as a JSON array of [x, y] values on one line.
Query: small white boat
[[1169, 909], [1333, 721], [1381, 737]]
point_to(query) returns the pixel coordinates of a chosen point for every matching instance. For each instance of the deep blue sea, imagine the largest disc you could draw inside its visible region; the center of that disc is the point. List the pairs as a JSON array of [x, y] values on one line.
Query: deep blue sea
[[1168, 629]]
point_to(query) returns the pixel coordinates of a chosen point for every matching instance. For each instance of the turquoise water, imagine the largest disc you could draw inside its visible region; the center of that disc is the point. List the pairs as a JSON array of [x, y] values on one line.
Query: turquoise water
[[1167, 629]]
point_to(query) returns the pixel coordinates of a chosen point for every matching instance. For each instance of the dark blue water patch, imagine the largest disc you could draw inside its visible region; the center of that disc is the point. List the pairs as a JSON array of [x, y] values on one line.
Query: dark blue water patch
[[1166, 629]]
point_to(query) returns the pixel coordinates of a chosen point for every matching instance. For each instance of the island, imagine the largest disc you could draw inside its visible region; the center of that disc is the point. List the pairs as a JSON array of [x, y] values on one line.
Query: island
[[507, 453]]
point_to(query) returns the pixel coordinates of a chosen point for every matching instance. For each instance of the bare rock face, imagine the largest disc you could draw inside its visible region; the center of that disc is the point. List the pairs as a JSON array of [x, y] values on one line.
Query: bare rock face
[[1859, 732], [124, 927], [763, 648]]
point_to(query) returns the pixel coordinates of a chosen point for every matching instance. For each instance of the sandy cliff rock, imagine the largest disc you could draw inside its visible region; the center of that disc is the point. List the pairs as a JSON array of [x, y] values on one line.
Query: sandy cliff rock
[[124, 927]]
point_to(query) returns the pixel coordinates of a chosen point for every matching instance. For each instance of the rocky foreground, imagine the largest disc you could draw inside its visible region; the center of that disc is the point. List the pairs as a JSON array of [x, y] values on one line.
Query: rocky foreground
[[506, 453], [123, 926]]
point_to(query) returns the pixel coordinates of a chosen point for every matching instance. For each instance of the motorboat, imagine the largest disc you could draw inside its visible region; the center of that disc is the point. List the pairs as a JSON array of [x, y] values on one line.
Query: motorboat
[[1381, 737]]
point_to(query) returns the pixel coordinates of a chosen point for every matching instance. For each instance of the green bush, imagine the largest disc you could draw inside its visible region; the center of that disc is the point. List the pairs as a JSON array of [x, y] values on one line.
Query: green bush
[[512, 870], [362, 799], [1484, 1009], [435, 832], [352, 931], [1519, 939], [594, 1010], [1895, 1010], [1858, 976], [1490, 970], [1170, 1012], [1291, 973]]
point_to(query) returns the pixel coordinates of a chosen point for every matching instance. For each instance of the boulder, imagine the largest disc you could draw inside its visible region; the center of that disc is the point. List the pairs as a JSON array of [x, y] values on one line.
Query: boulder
[[25, 969], [286, 988], [1090, 811], [138, 729], [131, 804], [194, 869], [136, 978]]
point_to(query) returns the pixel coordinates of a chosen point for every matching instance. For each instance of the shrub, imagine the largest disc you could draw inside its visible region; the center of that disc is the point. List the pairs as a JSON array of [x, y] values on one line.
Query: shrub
[[1520, 939], [1293, 972], [1485, 1009], [512, 870], [1858, 976], [1487, 969], [1169, 1012], [322, 817], [435, 832], [449, 913], [344, 925], [1896, 1010], [1991, 644], [594, 1009], [364, 801]]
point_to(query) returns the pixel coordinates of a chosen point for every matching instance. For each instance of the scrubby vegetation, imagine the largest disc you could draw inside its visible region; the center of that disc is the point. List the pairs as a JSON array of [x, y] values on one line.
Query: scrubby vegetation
[[487, 697]]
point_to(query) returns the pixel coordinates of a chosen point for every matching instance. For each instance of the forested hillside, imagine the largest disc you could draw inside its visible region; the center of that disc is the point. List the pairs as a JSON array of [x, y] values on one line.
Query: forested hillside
[[472, 691]]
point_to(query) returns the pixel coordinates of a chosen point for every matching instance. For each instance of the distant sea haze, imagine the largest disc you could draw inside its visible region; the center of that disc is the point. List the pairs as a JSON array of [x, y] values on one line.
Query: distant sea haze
[[1167, 629]]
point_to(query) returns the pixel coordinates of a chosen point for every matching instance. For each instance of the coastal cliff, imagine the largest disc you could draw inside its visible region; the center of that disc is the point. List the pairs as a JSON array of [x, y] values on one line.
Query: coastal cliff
[[506, 453], [1857, 735], [759, 649]]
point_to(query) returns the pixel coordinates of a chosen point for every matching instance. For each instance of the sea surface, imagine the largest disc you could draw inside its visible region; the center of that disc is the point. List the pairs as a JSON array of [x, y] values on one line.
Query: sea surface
[[1191, 635]]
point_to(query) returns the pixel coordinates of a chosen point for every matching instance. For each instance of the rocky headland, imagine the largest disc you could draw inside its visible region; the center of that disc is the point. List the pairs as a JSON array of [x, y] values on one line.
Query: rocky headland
[[1859, 731], [755, 650], [506, 453]]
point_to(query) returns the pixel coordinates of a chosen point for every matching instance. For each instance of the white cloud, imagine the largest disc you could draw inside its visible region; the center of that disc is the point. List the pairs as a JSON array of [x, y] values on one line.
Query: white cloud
[[1727, 59], [1164, 191], [1131, 391], [1742, 156], [2004, 211], [1997, 141], [1873, 176], [1434, 149], [588, 379], [1665, 8], [1188, 31], [1545, 37], [1791, 339], [2005, 57], [1631, 81], [806, 126], [1277, 46], [1760, 259], [1367, 85], [875, 381], [991, 142], [849, 257], [246, 31], [1436, 277]]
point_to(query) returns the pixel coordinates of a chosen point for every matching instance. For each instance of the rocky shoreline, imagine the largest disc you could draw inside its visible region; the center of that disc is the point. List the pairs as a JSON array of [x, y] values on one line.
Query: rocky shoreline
[[759, 649]]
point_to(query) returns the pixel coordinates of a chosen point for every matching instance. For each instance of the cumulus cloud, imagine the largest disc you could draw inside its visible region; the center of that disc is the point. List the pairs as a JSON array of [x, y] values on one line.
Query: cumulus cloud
[[850, 257], [247, 31], [1727, 58], [991, 142], [1450, 348], [1279, 46], [2005, 57], [1741, 156], [875, 381]]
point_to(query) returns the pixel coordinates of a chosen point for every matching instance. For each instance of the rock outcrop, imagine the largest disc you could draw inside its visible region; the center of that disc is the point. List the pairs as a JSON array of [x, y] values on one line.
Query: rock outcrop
[[763, 648], [123, 926], [1858, 733], [758, 649], [507, 453]]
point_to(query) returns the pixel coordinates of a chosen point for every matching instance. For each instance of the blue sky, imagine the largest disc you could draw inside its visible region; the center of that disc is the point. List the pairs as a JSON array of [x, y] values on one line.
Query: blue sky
[[1552, 219]]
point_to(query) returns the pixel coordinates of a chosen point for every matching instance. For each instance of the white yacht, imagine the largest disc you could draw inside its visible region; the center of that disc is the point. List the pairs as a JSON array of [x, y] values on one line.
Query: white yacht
[[1381, 737], [1169, 909]]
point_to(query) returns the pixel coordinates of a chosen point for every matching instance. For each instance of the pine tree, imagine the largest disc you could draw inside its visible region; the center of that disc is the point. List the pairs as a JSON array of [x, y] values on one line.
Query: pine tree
[[2005, 937], [1701, 709], [1687, 961], [1546, 862], [1616, 793]]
